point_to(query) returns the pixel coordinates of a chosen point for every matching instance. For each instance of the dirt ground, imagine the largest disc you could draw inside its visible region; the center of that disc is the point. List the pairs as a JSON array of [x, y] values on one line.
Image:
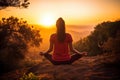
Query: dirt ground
[[86, 68]]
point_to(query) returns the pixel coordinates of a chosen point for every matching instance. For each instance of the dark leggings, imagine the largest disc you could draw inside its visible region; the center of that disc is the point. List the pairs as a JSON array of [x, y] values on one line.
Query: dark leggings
[[74, 57]]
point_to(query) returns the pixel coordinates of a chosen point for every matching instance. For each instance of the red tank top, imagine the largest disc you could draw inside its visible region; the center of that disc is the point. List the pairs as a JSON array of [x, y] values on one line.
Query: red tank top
[[61, 49]]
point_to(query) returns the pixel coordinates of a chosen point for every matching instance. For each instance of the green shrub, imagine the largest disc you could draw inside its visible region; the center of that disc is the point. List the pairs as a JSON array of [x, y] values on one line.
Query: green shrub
[[105, 33], [30, 76]]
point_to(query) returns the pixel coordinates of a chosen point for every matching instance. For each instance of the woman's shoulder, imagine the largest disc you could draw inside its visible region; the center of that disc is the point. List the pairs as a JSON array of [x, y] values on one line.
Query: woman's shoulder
[[53, 35], [68, 37], [68, 34]]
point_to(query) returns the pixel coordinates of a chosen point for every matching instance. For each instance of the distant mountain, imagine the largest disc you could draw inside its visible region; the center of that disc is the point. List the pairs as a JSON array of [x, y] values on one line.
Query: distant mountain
[[78, 32]]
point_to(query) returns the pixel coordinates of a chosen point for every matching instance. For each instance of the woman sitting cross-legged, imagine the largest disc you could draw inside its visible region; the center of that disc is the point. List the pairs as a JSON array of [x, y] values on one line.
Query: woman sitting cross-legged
[[61, 45]]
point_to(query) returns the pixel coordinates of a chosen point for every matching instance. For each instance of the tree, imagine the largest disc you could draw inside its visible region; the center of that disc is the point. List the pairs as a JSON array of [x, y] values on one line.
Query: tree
[[106, 34], [14, 3], [16, 37]]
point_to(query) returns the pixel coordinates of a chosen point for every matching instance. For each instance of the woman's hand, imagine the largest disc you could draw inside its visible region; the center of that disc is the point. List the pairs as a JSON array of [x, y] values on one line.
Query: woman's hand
[[84, 53], [41, 53]]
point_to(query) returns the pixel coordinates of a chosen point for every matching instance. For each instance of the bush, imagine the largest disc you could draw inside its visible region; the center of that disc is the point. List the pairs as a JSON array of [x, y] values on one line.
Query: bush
[[30, 76], [104, 34], [16, 37]]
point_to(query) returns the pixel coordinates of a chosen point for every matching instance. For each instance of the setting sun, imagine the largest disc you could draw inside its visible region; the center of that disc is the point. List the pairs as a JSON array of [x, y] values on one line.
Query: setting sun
[[47, 20]]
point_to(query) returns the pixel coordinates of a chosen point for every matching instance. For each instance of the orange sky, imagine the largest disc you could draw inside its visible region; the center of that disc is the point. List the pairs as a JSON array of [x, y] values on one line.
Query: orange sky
[[75, 12]]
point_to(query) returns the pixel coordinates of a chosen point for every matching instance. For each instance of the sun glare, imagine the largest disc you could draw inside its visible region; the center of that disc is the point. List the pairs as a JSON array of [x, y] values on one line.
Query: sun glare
[[47, 20]]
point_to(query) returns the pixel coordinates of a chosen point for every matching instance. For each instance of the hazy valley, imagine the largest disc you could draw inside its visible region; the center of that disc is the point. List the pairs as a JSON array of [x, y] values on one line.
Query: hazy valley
[[77, 32]]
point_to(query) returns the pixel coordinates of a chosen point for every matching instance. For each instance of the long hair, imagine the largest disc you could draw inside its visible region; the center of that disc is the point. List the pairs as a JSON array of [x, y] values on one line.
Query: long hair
[[60, 24]]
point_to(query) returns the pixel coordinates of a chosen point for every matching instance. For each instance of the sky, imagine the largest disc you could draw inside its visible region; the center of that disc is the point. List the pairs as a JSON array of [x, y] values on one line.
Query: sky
[[74, 12]]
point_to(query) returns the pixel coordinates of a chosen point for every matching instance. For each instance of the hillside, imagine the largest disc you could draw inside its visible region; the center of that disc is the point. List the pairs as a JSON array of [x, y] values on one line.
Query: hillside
[[87, 68]]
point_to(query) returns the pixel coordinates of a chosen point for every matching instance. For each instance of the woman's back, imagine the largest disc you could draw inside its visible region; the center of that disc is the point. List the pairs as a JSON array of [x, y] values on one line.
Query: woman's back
[[61, 50]]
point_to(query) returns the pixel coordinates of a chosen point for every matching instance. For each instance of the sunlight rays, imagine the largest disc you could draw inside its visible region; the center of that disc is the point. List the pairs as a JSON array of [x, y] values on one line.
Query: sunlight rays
[[47, 20]]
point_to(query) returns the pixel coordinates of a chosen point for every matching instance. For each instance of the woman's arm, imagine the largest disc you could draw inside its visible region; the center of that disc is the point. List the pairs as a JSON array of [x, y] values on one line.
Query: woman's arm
[[50, 48], [75, 51]]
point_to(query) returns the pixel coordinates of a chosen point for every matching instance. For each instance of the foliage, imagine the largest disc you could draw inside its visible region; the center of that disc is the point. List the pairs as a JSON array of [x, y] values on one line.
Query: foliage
[[14, 3], [104, 35], [16, 37], [30, 76]]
